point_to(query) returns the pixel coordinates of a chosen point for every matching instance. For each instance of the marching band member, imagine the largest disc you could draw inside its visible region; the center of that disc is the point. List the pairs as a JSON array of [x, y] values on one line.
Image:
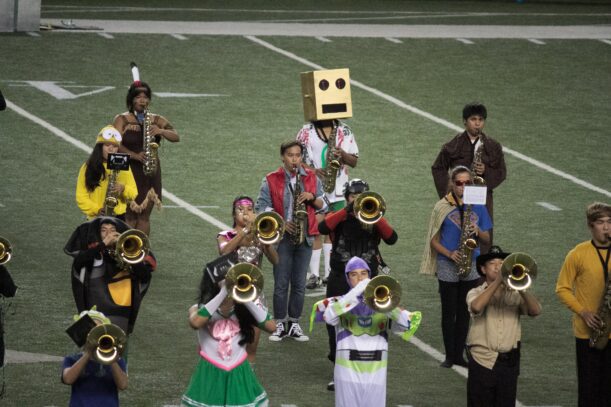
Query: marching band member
[[327, 141], [584, 286], [295, 193], [93, 384], [223, 376], [7, 289], [362, 339], [97, 278], [131, 125], [350, 238], [93, 178], [463, 150], [494, 334], [241, 239], [450, 223]]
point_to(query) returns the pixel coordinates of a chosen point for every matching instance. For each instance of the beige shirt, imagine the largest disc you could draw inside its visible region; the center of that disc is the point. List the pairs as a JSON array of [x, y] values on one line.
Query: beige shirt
[[497, 328]]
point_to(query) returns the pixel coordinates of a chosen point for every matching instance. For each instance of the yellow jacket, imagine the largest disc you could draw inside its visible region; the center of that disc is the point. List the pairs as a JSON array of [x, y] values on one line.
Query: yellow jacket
[[91, 202]]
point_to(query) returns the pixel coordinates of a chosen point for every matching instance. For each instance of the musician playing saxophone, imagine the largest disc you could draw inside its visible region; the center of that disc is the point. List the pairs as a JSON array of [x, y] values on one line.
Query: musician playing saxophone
[[277, 193], [463, 150], [92, 186], [582, 286], [131, 126], [449, 222]]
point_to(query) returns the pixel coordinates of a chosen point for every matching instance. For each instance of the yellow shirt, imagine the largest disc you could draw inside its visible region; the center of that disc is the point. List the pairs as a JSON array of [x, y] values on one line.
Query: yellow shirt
[[581, 284], [91, 202], [497, 328]]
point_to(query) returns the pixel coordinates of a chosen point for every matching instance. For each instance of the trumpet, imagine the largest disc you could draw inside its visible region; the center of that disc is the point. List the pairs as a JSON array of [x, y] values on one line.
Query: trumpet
[[244, 282], [382, 293], [108, 342], [518, 271], [6, 250], [132, 247], [369, 207], [268, 227]]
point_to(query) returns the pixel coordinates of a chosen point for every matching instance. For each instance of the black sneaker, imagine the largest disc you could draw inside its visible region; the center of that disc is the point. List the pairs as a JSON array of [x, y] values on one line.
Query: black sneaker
[[331, 386], [313, 282], [296, 332], [279, 333]]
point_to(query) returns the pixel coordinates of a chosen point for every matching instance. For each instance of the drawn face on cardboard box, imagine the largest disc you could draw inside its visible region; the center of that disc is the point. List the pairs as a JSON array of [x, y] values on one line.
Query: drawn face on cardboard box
[[326, 94]]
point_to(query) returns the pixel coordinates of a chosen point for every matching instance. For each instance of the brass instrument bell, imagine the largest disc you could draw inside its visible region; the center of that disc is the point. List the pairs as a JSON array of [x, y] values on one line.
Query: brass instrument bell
[[269, 227], [6, 250], [244, 282], [382, 293], [108, 342], [369, 207], [132, 246], [518, 271]]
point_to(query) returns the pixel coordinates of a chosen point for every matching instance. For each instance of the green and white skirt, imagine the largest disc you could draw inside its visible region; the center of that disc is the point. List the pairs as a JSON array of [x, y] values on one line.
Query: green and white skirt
[[214, 387]]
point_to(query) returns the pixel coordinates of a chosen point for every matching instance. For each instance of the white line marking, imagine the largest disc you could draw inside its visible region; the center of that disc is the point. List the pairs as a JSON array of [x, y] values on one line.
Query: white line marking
[[395, 40], [185, 95], [606, 41], [433, 118], [33, 34], [549, 206], [179, 37], [464, 41], [535, 41], [323, 39], [106, 35], [316, 293], [195, 206], [79, 144]]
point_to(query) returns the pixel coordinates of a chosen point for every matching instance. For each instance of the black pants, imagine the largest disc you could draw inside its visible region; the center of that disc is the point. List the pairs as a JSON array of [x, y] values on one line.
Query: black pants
[[455, 317], [593, 374], [497, 387]]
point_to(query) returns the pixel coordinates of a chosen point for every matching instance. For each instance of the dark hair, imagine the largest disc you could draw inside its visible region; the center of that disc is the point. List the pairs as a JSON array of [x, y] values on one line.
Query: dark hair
[[94, 172], [596, 211], [288, 144], [458, 170], [236, 199], [473, 109], [208, 289], [134, 90]]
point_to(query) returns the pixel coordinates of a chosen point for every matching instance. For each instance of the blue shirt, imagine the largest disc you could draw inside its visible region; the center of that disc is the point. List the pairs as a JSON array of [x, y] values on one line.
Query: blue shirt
[[95, 387], [449, 234]]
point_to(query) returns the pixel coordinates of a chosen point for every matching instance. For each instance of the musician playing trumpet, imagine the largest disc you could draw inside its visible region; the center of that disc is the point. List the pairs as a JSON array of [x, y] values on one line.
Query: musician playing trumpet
[[362, 338], [584, 287], [94, 384], [448, 256], [494, 334]]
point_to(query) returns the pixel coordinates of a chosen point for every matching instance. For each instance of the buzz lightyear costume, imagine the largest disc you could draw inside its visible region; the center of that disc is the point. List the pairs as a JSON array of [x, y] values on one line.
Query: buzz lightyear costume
[[362, 342]]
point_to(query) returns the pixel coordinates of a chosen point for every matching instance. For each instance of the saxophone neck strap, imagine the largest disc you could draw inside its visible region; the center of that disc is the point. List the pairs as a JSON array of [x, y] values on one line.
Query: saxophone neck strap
[[603, 261]]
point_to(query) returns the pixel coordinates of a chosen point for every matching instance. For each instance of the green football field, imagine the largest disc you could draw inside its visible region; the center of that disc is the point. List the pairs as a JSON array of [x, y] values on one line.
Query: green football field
[[548, 103]]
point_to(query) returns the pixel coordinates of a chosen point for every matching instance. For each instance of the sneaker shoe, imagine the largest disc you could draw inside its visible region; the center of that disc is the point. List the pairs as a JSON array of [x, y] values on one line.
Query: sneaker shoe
[[296, 332], [279, 333], [331, 386], [324, 281], [313, 282], [446, 363]]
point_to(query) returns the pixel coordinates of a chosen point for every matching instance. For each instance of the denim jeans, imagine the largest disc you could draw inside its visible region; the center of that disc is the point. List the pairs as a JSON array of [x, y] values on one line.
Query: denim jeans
[[290, 279]]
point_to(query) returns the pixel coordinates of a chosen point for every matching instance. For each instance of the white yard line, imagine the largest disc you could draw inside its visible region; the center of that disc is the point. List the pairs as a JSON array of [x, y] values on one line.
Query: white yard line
[[179, 37], [323, 39], [395, 40], [549, 206], [434, 118], [106, 35], [607, 41], [465, 41], [535, 41], [33, 34]]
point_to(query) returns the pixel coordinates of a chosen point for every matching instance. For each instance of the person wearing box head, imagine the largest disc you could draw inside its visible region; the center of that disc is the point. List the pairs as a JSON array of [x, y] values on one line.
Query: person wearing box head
[[329, 148]]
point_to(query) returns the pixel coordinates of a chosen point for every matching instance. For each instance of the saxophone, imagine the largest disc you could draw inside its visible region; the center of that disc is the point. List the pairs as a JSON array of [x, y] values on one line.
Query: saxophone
[[332, 164], [477, 159], [600, 337], [300, 215], [149, 146], [111, 199], [466, 246]]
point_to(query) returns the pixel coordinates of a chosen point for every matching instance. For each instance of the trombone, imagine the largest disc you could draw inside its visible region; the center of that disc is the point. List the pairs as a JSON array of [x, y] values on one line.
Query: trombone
[[6, 250], [268, 227], [382, 293], [244, 282], [132, 247], [518, 271], [108, 342], [369, 207]]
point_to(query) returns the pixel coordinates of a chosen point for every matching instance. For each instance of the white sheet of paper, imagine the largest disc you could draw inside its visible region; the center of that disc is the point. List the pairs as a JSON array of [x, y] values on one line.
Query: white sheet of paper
[[475, 195]]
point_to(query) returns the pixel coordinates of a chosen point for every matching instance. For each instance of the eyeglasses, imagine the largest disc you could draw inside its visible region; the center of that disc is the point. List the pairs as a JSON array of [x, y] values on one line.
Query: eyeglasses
[[461, 183], [107, 135]]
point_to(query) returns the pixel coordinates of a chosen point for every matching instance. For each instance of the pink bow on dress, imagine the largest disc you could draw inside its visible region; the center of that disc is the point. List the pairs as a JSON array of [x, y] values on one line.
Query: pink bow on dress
[[223, 330]]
